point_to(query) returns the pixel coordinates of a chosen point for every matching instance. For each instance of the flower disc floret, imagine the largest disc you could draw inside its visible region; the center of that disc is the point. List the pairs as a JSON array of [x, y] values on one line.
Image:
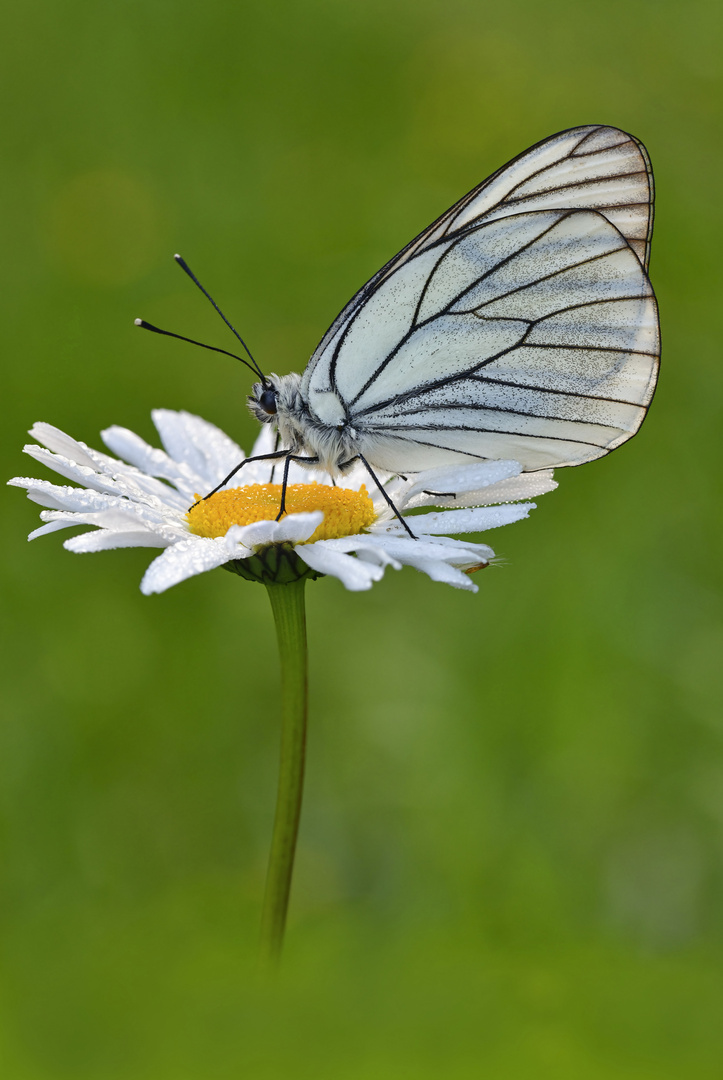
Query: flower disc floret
[[346, 512]]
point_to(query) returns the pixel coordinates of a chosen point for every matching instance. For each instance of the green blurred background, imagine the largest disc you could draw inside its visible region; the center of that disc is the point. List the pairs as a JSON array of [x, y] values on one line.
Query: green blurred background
[[511, 861]]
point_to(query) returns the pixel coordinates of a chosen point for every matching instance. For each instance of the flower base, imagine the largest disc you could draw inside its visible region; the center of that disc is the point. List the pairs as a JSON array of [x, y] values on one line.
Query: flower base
[[277, 564]]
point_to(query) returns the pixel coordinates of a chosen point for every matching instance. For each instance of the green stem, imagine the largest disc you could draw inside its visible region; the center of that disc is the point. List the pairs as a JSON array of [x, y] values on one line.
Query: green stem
[[287, 603]]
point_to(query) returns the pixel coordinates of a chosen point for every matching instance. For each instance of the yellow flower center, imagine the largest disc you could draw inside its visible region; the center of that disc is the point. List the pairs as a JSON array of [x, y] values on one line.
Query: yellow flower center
[[346, 512]]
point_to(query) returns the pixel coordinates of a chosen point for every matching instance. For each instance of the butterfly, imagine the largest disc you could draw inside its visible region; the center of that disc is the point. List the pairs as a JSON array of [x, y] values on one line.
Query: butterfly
[[521, 324]]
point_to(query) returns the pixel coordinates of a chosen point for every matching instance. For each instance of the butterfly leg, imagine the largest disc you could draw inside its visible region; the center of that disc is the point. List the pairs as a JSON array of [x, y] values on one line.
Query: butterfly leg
[[285, 481], [384, 495], [441, 494], [259, 457]]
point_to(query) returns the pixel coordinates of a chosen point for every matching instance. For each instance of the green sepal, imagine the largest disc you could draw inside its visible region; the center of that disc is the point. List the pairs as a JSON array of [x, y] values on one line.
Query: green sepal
[[277, 564]]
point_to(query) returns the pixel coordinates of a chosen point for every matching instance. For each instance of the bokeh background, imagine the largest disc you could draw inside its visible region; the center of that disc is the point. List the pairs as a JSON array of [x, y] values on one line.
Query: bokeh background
[[511, 860]]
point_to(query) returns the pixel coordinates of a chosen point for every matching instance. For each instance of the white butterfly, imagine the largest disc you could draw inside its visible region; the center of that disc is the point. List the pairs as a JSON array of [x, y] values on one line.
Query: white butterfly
[[520, 325]]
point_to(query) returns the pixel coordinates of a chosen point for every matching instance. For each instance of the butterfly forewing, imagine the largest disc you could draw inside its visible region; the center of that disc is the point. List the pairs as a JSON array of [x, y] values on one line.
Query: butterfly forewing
[[519, 325], [595, 168]]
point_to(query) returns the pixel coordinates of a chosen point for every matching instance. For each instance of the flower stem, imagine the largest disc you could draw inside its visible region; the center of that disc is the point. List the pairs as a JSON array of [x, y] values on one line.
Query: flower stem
[[287, 603]]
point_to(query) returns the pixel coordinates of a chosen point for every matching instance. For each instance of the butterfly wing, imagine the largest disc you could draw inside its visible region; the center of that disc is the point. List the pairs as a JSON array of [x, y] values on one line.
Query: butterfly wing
[[521, 324], [593, 168]]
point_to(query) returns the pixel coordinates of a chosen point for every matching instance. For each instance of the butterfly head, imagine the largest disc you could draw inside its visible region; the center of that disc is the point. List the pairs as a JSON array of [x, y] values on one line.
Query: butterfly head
[[265, 403], [273, 399], [279, 400]]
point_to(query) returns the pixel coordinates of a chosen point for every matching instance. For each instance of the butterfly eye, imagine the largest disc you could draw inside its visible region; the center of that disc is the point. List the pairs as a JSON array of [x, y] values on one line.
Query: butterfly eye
[[267, 402]]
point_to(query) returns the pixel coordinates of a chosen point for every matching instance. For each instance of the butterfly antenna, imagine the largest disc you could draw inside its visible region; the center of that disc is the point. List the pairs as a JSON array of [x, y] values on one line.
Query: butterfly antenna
[[212, 348], [186, 268]]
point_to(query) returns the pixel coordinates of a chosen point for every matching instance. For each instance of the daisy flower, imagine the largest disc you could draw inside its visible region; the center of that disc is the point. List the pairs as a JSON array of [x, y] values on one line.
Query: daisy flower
[[150, 497], [141, 498]]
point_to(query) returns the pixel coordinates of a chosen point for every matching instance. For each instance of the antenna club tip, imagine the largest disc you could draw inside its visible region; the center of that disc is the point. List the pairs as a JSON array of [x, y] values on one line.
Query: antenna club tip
[[138, 322], [178, 258]]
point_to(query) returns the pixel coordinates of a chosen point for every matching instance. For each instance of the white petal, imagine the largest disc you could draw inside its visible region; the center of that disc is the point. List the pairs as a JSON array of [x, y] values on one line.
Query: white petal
[[364, 546], [421, 553], [377, 555], [307, 474], [463, 478], [67, 506], [55, 497], [105, 540], [261, 472], [49, 527], [507, 491], [358, 475], [201, 446], [52, 496], [524, 486], [133, 485], [57, 441], [272, 472], [293, 529], [355, 574], [183, 560], [442, 571], [151, 512], [124, 517], [465, 521], [78, 452], [383, 540], [152, 461], [265, 441], [87, 475], [460, 552]]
